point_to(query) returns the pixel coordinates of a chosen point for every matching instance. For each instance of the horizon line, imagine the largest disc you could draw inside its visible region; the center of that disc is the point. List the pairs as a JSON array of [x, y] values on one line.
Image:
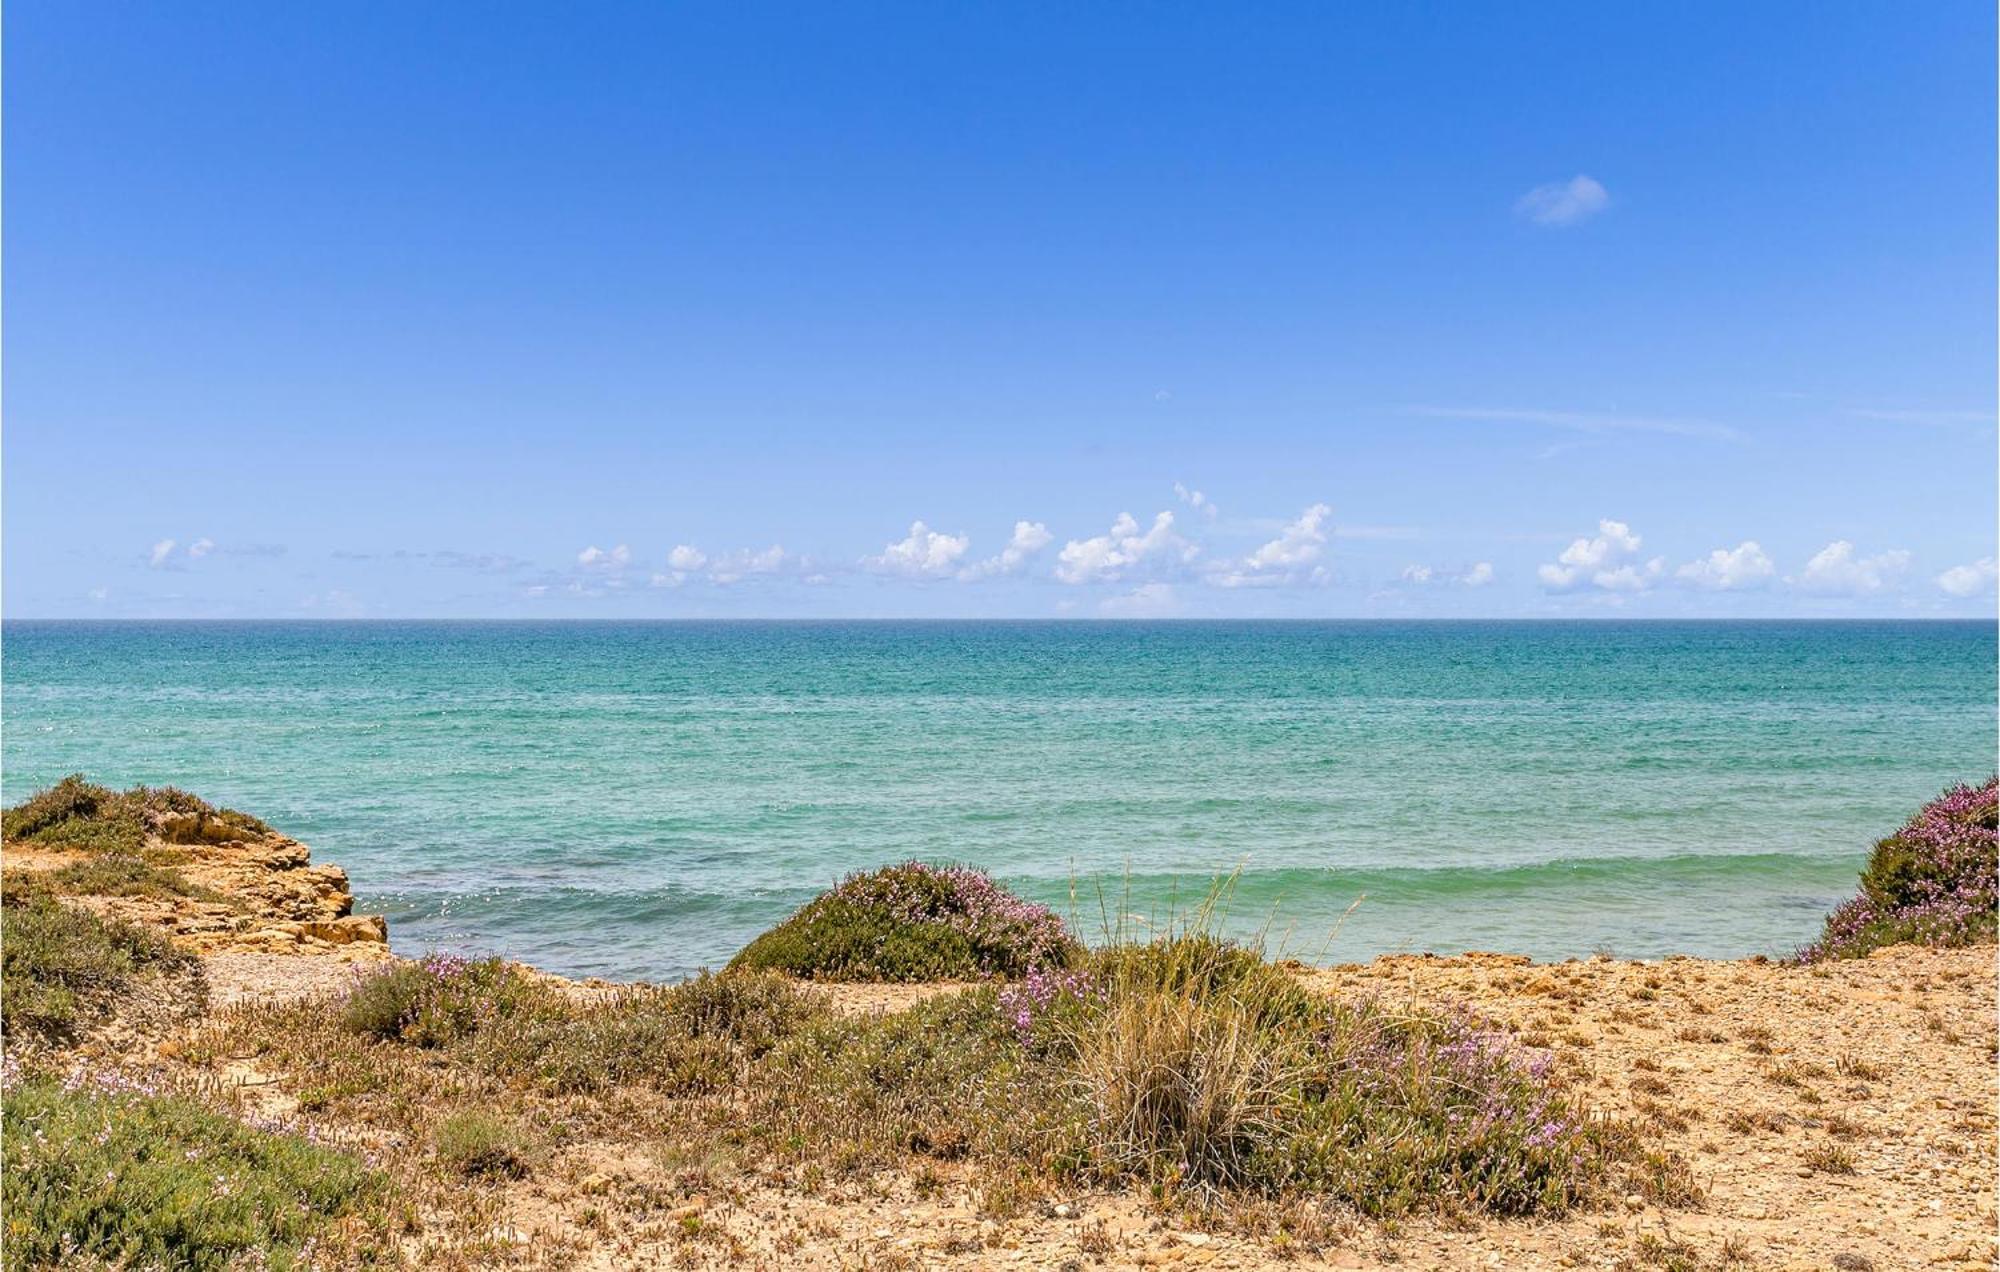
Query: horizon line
[[1098, 620]]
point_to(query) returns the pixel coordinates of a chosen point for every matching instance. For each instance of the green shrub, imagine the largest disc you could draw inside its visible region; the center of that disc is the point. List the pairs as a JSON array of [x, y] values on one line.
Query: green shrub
[[1196, 1067], [685, 1039], [99, 1171], [943, 1078], [61, 965], [913, 922], [76, 814], [1195, 1063], [436, 1000], [1933, 882], [480, 1145], [118, 875]]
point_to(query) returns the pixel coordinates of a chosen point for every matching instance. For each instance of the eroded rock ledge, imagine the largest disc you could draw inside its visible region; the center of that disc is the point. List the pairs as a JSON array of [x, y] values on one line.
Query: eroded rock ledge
[[254, 891]]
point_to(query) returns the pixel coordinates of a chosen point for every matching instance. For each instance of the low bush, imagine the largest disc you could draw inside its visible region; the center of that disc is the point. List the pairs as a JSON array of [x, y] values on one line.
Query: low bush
[[119, 875], [1198, 1063], [480, 1145], [60, 965], [102, 1172], [436, 1000], [1195, 1067], [680, 1040], [914, 922], [77, 814], [944, 1078], [1930, 883]]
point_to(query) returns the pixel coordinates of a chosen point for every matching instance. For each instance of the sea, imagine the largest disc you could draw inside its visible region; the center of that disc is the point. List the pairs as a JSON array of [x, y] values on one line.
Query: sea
[[638, 800]]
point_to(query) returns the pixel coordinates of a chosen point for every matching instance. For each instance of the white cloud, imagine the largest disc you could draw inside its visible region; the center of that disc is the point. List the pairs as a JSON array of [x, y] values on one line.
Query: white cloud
[[732, 567], [1630, 578], [682, 562], [1969, 580], [1300, 543], [1608, 561], [1029, 538], [1563, 203], [1292, 557], [157, 558], [1478, 574], [1836, 571], [1123, 550], [1730, 569], [100, 594], [1148, 600], [201, 548], [923, 554], [336, 602], [1196, 500], [596, 558]]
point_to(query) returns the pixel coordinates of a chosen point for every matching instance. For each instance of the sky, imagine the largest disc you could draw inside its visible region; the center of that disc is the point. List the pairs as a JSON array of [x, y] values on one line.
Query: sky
[[1400, 310]]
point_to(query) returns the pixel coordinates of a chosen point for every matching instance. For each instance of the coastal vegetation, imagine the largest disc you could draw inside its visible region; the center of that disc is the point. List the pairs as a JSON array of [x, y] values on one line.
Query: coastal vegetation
[[65, 967], [1188, 1066], [77, 814], [106, 1171], [408, 1100], [1930, 883], [914, 922]]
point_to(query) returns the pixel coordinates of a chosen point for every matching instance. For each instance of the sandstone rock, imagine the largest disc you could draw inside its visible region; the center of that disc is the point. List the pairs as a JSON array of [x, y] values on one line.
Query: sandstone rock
[[349, 928]]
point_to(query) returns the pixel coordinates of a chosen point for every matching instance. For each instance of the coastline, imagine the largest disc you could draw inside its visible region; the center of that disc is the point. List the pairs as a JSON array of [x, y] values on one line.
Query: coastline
[[1839, 1114]]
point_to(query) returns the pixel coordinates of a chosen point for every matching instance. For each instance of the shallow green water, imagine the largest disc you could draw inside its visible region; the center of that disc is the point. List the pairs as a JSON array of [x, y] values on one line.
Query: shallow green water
[[641, 799]]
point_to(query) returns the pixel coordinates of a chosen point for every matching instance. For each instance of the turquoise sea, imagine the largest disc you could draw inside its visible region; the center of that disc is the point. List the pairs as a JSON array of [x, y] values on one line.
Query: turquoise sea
[[638, 800]]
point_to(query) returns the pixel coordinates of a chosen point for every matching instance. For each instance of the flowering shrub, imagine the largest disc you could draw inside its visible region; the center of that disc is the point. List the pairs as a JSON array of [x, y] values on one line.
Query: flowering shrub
[[435, 1000], [914, 922], [1493, 1125], [1031, 1007], [104, 1170], [1192, 1062], [1930, 883]]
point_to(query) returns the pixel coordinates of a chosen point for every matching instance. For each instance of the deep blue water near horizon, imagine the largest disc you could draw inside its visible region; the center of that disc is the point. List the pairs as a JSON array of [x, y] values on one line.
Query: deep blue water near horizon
[[639, 799]]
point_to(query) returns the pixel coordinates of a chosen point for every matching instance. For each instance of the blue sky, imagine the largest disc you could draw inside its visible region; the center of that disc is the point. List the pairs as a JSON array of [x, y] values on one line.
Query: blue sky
[[857, 310]]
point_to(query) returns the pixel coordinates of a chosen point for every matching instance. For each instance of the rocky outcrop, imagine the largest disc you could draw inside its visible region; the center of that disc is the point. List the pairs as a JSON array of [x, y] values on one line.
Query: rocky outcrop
[[257, 891]]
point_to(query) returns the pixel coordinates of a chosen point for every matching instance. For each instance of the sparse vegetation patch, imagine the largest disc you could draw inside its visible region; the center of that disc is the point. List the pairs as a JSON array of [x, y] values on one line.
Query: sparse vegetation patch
[[64, 966]]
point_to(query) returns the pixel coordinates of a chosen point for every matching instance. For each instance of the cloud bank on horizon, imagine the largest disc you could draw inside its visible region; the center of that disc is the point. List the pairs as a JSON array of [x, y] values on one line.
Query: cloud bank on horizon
[[1156, 568]]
